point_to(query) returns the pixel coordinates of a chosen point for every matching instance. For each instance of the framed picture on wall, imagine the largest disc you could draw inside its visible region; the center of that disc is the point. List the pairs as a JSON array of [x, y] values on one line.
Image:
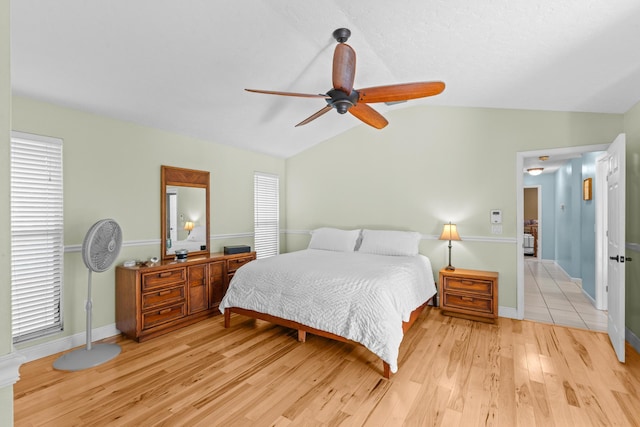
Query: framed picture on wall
[[587, 186]]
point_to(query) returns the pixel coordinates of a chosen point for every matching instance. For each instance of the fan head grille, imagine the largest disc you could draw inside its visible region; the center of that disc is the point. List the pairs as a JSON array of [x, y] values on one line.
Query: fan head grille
[[101, 245]]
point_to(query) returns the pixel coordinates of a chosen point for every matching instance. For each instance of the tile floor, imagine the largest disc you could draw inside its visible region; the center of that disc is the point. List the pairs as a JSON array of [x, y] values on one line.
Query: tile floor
[[551, 297]]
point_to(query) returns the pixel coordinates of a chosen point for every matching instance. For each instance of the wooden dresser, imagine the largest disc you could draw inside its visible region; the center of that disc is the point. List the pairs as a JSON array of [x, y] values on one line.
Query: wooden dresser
[[153, 300], [471, 294]]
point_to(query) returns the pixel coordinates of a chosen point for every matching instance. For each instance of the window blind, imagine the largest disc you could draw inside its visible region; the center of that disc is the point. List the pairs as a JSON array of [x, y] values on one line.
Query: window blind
[[36, 235], [266, 204]]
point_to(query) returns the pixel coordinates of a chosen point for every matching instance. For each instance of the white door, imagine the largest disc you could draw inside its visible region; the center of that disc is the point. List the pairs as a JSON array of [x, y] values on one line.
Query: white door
[[602, 253], [616, 242], [172, 204]]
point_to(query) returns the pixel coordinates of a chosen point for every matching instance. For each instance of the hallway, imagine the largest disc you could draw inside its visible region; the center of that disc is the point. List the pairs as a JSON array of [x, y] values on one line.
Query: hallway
[[551, 297]]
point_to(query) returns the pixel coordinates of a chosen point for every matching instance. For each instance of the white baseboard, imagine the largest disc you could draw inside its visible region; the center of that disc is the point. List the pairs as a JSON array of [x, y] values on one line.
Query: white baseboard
[[509, 312], [39, 351], [632, 339], [591, 300]]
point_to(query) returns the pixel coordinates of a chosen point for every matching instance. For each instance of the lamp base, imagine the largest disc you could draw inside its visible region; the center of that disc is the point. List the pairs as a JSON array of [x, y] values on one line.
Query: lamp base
[[450, 267]]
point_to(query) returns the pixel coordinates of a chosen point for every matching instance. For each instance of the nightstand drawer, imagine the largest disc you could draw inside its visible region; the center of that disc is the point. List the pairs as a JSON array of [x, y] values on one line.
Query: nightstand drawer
[[162, 297], [162, 315], [471, 294], [163, 278], [474, 286], [468, 303]]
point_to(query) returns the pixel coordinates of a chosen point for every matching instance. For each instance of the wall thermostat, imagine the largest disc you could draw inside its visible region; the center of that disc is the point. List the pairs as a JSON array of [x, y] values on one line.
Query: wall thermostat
[[496, 216]]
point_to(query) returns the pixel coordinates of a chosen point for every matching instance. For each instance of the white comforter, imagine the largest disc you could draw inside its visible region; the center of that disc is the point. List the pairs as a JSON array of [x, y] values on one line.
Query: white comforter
[[362, 297]]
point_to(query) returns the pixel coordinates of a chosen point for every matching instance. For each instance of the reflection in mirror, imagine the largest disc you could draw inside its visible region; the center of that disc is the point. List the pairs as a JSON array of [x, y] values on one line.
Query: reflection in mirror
[[186, 225], [184, 211]]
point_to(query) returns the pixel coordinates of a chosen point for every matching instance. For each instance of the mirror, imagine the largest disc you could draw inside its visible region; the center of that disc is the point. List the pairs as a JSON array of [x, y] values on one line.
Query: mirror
[[184, 211]]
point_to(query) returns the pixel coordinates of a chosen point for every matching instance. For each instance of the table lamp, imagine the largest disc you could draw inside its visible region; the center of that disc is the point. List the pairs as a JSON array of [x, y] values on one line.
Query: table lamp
[[450, 232], [188, 226]]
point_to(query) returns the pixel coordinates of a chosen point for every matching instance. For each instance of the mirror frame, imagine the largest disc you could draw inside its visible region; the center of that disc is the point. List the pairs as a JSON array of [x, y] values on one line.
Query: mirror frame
[[180, 177]]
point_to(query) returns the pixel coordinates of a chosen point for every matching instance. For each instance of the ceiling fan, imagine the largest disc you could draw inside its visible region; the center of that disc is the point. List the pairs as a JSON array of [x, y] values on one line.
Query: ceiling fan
[[343, 97]]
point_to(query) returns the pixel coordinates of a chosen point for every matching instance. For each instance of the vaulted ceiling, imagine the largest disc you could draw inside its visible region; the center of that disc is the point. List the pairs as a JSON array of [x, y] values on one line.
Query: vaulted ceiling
[[182, 65]]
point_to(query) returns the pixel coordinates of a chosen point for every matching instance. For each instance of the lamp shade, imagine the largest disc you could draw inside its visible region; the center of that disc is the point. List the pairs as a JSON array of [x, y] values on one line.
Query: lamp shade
[[188, 225], [450, 232]]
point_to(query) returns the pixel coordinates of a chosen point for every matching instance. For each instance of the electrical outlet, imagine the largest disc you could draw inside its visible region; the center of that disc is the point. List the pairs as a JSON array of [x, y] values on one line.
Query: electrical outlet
[[496, 229]]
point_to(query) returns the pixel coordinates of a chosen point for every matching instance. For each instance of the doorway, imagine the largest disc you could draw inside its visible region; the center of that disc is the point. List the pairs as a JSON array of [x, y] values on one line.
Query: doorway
[[532, 224], [542, 266]]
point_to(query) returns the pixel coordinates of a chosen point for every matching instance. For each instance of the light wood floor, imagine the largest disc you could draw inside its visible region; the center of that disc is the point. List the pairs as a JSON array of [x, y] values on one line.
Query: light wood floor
[[453, 372]]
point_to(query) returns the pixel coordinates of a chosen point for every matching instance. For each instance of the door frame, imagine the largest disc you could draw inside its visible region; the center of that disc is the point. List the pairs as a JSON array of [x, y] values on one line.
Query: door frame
[[520, 156]]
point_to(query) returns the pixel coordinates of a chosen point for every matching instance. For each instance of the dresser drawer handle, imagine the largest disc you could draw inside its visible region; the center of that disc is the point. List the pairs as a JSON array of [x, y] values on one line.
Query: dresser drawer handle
[[467, 282], [165, 311], [466, 298], [165, 274], [161, 293]]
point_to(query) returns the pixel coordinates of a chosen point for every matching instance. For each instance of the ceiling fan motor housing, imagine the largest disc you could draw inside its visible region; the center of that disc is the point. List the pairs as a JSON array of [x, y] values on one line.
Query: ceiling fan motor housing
[[341, 101]]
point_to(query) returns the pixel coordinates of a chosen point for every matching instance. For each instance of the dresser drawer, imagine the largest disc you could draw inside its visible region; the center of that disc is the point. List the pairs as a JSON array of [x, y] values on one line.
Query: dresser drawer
[[473, 286], [235, 263], [162, 297], [468, 303], [163, 278], [163, 315]]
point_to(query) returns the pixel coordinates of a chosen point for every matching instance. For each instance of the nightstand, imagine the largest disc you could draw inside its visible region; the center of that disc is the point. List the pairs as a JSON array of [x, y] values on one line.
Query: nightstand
[[470, 294]]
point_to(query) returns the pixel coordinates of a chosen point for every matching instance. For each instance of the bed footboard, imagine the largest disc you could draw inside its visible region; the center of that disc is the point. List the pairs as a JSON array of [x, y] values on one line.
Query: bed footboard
[[303, 329]]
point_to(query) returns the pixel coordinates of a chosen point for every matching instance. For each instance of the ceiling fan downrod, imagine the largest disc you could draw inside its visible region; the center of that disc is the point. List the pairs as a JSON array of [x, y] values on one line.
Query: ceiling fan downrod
[[342, 35]]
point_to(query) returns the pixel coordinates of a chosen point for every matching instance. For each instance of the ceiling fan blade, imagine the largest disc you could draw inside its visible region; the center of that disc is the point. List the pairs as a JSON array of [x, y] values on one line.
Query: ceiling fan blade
[[315, 115], [368, 115], [400, 92], [301, 95], [344, 68]]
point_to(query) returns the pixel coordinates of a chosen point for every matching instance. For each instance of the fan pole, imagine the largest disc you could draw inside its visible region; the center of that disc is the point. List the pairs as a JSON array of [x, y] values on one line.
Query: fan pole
[[89, 309], [103, 239]]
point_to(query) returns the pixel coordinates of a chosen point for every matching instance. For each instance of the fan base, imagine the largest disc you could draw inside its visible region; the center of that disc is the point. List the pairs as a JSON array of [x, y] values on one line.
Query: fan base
[[82, 358]]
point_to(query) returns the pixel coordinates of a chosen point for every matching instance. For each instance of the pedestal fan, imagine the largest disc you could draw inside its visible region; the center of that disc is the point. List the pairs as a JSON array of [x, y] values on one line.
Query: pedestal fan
[[100, 249]]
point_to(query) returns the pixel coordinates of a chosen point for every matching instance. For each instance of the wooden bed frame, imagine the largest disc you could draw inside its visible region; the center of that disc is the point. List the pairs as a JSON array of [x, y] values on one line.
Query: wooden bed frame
[[303, 329]]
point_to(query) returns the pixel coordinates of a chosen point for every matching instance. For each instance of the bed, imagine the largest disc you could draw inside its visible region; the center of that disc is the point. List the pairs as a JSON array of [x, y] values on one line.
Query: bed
[[531, 237], [367, 287], [194, 241]]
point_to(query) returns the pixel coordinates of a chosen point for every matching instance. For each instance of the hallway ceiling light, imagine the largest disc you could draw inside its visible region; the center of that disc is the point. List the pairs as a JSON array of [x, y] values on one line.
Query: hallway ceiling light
[[535, 171]]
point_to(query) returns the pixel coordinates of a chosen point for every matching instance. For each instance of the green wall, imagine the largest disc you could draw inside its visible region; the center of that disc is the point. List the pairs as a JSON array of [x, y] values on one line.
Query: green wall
[[632, 129], [429, 166], [112, 170]]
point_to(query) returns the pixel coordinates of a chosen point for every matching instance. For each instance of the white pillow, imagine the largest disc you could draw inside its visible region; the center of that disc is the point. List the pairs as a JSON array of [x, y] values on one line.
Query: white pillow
[[333, 239], [389, 242], [198, 234]]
